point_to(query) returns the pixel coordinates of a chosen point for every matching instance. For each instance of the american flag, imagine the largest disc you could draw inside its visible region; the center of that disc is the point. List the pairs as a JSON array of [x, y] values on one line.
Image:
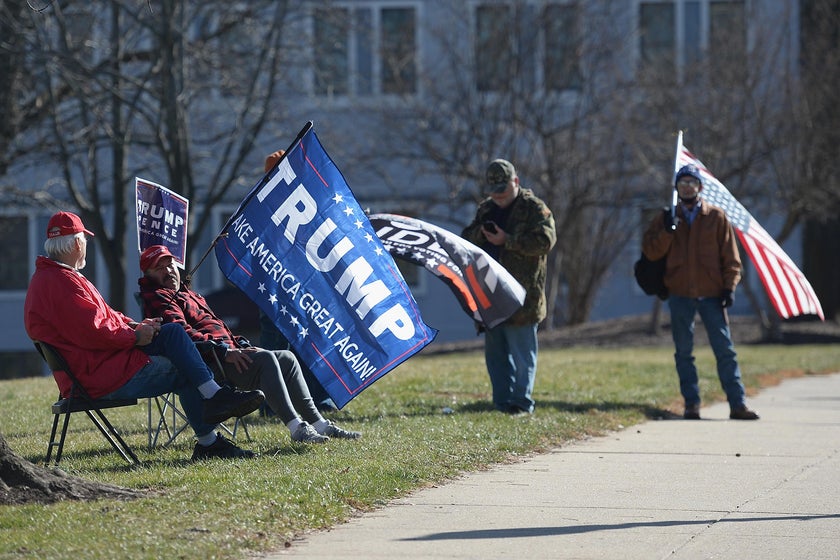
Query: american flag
[[788, 289]]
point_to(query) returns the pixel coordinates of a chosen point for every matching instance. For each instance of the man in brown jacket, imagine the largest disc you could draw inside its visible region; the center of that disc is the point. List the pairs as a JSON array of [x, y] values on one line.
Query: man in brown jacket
[[703, 268]]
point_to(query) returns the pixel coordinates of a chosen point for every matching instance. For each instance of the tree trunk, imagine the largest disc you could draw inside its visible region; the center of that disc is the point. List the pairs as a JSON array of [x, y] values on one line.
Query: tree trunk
[[24, 482], [655, 317]]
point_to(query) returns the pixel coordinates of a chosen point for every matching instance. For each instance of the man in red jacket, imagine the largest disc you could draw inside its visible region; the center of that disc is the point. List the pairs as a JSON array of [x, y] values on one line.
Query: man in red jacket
[[116, 357], [276, 372]]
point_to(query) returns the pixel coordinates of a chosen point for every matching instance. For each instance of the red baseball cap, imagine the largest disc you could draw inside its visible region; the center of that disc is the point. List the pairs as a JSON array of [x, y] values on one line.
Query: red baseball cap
[[153, 255], [65, 223]]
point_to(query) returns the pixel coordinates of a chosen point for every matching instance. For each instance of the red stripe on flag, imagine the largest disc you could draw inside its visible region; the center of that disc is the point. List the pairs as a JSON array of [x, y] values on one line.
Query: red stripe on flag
[[789, 291], [765, 273]]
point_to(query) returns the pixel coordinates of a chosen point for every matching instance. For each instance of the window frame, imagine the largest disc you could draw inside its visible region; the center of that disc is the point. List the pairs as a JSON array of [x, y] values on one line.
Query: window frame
[[685, 53], [529, 15], [365, 62]]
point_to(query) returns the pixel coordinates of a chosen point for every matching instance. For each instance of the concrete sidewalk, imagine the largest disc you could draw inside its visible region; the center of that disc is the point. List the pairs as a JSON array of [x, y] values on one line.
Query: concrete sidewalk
[[673, 489]]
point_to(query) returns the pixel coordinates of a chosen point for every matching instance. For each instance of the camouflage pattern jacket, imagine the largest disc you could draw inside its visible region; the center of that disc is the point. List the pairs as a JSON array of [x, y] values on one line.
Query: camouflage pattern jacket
[[530, 237]]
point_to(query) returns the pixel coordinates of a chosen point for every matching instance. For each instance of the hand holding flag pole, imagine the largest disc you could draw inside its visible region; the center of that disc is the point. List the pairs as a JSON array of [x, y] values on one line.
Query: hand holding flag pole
[[222, 234]]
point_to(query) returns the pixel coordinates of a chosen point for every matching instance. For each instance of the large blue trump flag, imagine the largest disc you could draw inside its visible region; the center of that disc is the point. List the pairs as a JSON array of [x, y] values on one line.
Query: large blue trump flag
[[302, 249]]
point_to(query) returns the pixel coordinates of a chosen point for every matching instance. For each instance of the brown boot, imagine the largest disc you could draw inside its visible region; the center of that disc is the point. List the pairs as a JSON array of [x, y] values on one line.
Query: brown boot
[[742, 413], [692, 412]]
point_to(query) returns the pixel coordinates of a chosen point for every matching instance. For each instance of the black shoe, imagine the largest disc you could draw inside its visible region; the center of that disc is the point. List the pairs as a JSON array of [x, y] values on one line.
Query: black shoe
[[514, 410], [222, 448], [692, 412], [742, 413], [228, 403]]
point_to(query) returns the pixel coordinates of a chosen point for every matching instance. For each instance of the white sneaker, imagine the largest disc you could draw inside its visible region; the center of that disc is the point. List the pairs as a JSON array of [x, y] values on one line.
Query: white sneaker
[[334, 431], [305, 433]]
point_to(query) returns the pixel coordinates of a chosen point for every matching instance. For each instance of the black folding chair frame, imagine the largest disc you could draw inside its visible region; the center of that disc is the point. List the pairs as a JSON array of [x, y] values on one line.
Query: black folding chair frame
[[79, 401]]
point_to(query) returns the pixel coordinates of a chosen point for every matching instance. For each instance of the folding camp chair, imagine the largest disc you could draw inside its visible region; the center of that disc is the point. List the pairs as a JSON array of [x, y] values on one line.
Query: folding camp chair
[[172, 420], [78, 400]]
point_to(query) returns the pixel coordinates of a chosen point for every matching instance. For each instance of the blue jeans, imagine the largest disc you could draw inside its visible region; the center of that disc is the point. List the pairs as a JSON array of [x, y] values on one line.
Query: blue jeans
[[510, 353], [176, 367], [683, 310]]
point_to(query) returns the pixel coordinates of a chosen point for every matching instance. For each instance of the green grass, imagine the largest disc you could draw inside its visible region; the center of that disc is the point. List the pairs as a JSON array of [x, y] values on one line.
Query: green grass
[[220, 509]]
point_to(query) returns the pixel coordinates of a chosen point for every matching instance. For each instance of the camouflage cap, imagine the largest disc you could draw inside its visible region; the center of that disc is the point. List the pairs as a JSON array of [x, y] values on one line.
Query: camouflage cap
[[499, 173]]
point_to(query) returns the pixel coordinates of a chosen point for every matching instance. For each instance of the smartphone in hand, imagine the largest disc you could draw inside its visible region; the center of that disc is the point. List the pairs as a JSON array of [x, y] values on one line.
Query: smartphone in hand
[[489, 226]]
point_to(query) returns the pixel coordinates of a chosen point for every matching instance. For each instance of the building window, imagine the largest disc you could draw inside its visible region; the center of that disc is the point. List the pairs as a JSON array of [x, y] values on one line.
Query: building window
[[27, 230], [561, 65], [507, 49], [727, 36], [14, 266], [398, 50], [331, 45], [364, 50], [657, 36], [494, 47], [678, 34]]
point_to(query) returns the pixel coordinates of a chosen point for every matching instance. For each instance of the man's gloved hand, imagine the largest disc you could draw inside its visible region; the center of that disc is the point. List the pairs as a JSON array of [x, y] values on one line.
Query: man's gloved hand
[[669, 220], [727, 298]]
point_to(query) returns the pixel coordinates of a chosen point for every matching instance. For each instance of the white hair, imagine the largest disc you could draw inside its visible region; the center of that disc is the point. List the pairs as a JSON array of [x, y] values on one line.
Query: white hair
[[61, 245]]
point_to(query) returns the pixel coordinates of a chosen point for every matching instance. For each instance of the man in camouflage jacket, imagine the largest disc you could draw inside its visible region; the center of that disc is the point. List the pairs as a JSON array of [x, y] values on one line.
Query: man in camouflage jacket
[[517, 229]]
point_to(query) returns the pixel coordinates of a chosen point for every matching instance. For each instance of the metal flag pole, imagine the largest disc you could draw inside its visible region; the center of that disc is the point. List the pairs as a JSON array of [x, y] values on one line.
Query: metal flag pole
[[250, 195], [674, 193]]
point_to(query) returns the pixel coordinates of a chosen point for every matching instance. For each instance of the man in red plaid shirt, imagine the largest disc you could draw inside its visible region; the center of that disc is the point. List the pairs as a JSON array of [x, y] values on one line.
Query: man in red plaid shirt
[[276, 372]]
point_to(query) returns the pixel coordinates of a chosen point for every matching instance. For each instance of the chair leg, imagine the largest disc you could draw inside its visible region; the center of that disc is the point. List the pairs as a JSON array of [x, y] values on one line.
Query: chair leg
[[176, 433], [165, 405], [162, 424], [60, 449], [241, 422], [113, 436], [170, 405], [150, 443], [53, 443]]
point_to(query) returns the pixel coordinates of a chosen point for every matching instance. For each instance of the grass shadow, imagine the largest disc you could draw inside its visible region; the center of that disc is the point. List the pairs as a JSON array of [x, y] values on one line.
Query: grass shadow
[[648, 411]]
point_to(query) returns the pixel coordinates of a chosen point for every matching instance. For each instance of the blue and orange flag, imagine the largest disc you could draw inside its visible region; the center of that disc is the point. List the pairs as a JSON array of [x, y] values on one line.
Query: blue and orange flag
[[302, 249]]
